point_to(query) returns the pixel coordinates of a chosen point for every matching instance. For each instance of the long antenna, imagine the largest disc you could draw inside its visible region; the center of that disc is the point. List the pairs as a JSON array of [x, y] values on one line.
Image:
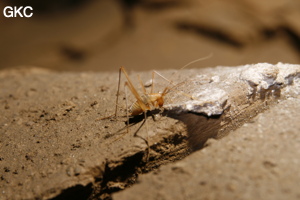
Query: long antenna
[[197, 60], [192, 62]]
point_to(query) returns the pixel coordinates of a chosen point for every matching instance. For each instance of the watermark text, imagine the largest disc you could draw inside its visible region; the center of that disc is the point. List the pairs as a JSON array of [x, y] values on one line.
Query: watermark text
[[15, 11]]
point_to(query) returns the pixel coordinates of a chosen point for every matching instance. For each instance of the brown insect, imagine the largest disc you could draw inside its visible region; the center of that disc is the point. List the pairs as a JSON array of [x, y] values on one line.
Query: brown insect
[[146, 101]]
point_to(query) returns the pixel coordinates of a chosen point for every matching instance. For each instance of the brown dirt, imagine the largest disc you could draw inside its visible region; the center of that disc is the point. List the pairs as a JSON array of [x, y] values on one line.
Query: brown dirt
[[54, 146], [53, 142]]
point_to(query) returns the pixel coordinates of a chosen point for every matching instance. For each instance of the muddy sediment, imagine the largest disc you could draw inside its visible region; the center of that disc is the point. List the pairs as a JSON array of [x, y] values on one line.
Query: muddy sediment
[[54, 144]]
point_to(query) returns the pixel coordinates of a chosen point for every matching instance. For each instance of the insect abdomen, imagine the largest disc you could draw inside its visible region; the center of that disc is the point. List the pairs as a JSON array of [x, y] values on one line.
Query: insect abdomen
[[136, 109]]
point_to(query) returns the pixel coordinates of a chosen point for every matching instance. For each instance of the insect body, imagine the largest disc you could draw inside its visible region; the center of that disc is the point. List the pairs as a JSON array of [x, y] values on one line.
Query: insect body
[[136, 109], [145, 102], [151, 102], [148, 101]]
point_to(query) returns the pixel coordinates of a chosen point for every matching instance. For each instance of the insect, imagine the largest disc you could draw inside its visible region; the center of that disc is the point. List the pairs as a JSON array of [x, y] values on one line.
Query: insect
[[147, 101]]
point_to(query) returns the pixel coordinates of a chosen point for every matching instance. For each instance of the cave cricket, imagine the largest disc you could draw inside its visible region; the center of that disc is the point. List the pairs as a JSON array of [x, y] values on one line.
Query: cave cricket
[[147, 101]]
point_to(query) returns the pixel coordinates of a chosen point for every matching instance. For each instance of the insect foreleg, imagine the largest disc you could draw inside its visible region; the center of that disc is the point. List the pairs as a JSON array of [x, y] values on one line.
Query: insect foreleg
[[152, 86]]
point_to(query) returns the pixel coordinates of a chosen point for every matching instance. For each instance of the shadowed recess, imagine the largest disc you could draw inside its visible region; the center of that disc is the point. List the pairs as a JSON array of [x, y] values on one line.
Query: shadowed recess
[[200, 127], [77, 192]]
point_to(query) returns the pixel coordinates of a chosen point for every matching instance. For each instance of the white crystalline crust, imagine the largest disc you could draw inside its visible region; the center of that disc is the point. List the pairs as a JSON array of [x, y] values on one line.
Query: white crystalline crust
[[212, 98], [208, 101], [262, 75]]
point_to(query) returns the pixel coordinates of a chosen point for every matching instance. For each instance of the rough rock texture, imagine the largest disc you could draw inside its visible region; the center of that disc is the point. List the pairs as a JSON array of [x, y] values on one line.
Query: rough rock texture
[[260, 160], [54, 143]]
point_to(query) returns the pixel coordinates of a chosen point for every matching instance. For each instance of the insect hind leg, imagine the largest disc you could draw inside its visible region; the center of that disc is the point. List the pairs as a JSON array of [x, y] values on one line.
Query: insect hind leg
[[147, 139]]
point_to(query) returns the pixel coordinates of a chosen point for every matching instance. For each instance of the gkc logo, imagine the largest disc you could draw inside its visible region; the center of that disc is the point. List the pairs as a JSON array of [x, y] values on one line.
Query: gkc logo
[[15, 11]]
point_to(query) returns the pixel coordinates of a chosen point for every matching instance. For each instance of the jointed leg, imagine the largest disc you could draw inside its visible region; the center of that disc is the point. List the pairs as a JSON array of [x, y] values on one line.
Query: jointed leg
[[127, 125], [133, 91], [118, 92], [152, 86], [142, 85], [148, 144], [143, 106]]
